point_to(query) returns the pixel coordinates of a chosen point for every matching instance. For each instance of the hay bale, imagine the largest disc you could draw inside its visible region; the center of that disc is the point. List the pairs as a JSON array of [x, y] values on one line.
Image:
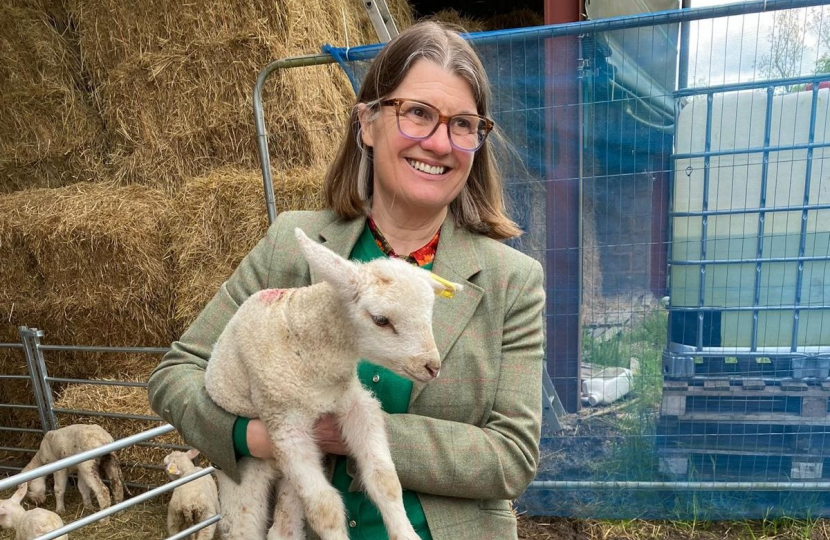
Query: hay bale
[[113, 32], [219, 219], [122, 400], [175, 81], [454, 17], [88, 265], [185, 112], [519, 18], [50, 132], [592, 299]]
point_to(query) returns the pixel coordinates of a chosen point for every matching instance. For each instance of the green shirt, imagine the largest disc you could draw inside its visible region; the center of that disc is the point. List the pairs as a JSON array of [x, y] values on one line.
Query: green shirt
[[392, 391]]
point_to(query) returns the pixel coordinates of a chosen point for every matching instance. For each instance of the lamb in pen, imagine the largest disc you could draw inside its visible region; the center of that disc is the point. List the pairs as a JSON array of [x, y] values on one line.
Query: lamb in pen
[[191, 503], [290, 356], [68, 441], [28, 524]]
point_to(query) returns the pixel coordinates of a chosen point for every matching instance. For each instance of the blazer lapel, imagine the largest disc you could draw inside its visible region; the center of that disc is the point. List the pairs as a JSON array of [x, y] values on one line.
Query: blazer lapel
[[340, 236], [456, 260]]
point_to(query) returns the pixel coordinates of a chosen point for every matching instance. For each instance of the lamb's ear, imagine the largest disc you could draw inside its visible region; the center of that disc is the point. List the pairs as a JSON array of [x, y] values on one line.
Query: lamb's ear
[[20, 493], [327, 265], [192, 454]]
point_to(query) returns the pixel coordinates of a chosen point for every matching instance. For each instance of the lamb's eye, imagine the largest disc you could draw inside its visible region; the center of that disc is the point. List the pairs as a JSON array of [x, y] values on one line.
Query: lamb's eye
[[380, 320]]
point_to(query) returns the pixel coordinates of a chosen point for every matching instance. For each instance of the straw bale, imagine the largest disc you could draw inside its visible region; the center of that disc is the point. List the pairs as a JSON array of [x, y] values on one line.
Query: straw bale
[[85, 242], [175, 81], [50, 132], [123, 400], [454, 17], [519, 18], [113, 32], [184, 112], [592, 299], [88, 265], [220, 218]]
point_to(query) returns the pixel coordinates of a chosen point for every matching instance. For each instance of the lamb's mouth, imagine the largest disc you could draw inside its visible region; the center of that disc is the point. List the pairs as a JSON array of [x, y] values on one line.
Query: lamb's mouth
[[420, 375], [436, 170]]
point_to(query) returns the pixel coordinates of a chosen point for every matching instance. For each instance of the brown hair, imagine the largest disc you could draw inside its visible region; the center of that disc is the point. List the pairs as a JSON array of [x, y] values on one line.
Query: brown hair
[[480, 206]]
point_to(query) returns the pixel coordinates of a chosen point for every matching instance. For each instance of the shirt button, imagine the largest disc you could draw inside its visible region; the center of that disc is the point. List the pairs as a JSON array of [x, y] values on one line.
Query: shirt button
[[353, 524], [376, 378]]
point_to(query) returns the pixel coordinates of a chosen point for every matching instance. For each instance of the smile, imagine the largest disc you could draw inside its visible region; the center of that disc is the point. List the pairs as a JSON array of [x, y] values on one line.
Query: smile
[[423, 167]]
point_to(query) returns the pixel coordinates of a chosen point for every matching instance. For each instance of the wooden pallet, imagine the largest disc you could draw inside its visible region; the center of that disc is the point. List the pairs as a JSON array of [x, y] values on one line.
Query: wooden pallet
[[705, 464], [745, 428], [747, 400]]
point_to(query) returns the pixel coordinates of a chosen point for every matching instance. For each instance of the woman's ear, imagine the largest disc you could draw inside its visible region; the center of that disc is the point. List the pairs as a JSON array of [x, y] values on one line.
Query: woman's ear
[[363, 113]]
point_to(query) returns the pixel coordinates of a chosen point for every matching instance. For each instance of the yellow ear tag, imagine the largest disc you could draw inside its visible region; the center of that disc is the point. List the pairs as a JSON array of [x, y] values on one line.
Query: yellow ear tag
[[449, 290]]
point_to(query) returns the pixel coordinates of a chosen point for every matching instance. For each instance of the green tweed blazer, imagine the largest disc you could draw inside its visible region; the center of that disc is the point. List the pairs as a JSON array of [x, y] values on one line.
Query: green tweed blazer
[[470, 441]]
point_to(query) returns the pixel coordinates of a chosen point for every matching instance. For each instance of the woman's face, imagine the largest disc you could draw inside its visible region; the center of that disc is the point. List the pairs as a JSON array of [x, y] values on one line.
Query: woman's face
[[424, 176]]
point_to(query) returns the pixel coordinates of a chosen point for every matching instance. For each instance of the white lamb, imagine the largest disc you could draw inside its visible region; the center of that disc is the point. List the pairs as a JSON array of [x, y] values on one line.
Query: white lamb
[[290, 356], [193, 502], [31, 524], [68, 441]]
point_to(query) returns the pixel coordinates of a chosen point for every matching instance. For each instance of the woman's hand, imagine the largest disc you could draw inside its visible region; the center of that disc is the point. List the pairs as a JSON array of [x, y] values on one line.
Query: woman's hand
[[326, 433], [259, 443]]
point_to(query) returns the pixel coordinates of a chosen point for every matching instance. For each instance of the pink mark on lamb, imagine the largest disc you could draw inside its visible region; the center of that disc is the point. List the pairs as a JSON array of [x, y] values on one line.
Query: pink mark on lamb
[[270, 296]]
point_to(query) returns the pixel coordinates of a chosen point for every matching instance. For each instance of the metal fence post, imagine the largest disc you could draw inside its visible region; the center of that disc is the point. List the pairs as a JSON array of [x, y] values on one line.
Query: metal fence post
[[44, 377], [44, 412]]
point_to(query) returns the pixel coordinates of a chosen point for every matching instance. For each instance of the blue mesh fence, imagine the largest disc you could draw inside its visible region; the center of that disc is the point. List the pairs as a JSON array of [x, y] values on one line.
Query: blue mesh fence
[[669, 172]]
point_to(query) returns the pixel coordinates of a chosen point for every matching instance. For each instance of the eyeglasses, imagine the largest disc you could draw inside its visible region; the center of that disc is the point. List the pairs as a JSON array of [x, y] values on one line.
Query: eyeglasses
[[418, 121]]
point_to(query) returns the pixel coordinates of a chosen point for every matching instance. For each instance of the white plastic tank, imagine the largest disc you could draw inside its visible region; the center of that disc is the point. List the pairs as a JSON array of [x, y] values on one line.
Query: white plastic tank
[[606, 386]]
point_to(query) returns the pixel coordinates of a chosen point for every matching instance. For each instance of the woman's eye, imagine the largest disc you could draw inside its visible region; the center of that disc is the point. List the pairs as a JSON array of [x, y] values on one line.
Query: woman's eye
[[380, 320], [463, 123]]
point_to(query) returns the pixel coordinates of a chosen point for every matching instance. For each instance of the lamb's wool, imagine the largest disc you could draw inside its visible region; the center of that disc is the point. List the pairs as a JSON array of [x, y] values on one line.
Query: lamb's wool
[[31, 524], [192, 502], [263, 367]]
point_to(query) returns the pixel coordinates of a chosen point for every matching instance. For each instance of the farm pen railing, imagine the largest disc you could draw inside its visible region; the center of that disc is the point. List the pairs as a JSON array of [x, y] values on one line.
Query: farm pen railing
[[43, 395]]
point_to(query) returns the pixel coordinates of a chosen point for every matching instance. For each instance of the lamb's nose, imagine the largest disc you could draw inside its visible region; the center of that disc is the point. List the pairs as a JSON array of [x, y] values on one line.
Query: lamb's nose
[[433, 370]]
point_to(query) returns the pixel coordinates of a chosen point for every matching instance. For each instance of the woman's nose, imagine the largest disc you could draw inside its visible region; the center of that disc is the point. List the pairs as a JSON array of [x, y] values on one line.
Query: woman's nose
[[439, 142]]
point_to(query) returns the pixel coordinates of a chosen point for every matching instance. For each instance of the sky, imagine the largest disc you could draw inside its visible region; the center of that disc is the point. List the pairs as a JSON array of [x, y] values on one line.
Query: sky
[[730, 49]]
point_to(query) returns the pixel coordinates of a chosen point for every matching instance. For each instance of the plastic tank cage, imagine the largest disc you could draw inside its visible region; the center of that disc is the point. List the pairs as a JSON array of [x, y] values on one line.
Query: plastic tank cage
[[668, 170]]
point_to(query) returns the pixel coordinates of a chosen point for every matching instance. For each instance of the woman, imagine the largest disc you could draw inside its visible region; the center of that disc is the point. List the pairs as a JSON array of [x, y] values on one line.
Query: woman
[[415, 177]]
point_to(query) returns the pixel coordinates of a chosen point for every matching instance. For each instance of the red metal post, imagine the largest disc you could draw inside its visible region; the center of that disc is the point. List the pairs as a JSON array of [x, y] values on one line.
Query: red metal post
[[564, 135]]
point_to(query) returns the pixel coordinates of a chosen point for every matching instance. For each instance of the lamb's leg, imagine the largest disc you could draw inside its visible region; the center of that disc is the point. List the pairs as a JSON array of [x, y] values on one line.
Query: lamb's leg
[[207, 533], [364, 433], [61, 478], [172, 522], [245, 506], [112, 469], [85, 491], [300, 463], [288, 514], [89, 472]]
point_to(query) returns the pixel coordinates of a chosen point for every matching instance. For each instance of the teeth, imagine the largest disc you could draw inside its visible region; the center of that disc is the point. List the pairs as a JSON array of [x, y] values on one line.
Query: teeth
[[423, 167]]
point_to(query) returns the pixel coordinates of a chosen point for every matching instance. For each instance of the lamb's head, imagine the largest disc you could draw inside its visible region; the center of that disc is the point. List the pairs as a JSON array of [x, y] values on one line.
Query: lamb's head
[[10, 509], [389, 303], [37, 490], [178, 464]]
